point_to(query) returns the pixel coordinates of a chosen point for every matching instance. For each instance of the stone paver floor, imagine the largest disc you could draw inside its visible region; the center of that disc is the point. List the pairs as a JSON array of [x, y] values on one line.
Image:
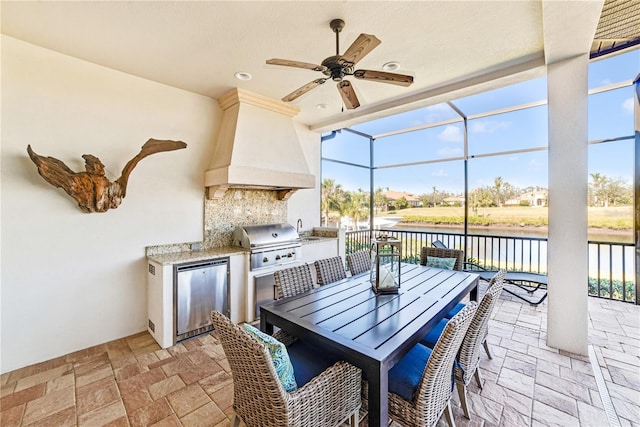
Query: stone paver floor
[[132, 382]]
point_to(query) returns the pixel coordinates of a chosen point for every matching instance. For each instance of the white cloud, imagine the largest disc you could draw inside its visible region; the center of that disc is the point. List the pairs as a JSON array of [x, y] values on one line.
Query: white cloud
[[487, 126], [513, 159], [451, 134], [435, 113], [440, 172], [605, 82], [432, 114], [627, 106]]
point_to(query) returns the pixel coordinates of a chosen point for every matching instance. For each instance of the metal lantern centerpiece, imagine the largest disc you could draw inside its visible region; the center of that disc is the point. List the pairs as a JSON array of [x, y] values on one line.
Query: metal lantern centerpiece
[[386, 255]]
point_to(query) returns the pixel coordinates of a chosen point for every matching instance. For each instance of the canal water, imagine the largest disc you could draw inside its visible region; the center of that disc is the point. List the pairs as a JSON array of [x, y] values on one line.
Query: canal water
[[610, 256], [594, 234]]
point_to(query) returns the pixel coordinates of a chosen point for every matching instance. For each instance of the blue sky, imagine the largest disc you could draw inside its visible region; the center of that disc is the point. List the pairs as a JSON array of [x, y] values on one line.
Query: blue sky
[[610, 115]]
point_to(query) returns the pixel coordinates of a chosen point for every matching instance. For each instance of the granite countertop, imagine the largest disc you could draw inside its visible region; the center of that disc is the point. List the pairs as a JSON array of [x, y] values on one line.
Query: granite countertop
[[318, 234], [189, 256], [306, 240]]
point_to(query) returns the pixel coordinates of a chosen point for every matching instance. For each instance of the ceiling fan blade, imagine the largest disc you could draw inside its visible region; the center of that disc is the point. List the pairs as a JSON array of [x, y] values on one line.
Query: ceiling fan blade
[[298, 64], [302, 90], [364, 44], [348, 95], [384, 77]]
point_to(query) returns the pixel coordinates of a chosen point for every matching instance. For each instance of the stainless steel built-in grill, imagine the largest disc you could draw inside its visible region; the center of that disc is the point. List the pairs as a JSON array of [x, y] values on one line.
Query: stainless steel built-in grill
[[269, 244]]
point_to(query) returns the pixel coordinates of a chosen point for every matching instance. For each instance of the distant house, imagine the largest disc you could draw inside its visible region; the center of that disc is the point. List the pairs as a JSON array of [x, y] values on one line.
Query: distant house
[[454, 200], [536, 198], [392, 196]]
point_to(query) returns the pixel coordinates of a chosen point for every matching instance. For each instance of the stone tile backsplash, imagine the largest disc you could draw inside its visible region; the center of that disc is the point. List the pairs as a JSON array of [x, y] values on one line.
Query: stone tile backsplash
[[236, 207], [240, 207]]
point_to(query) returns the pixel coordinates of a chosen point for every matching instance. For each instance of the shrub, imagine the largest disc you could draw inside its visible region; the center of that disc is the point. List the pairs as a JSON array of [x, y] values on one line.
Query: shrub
[[616, 287], [414, 259], [352, 247]]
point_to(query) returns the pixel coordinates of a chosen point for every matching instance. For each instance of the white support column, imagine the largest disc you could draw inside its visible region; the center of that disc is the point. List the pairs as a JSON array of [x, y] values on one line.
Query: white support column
[[567, 318]]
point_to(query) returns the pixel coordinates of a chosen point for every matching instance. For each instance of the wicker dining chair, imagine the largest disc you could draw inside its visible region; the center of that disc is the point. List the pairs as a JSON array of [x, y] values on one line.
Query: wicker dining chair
[[499, 276], [293, 281], [259, 398], [428, 251], [476, 336], [433, 393], [330, 270], [359, 262]]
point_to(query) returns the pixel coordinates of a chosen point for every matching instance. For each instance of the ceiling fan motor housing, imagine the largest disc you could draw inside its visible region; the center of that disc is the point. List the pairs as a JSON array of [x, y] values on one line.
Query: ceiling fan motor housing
[[336, 68]]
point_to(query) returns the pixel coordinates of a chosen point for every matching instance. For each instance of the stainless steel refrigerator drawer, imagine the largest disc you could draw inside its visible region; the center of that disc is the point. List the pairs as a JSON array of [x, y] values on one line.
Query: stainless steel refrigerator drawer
[[200, 288]]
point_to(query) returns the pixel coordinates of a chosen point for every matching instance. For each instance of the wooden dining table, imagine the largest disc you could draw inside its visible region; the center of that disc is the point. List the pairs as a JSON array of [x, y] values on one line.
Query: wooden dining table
[[369, 330]]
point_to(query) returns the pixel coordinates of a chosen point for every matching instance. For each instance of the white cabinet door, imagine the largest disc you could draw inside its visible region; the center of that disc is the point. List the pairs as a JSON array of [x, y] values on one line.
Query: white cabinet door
[[238, 286], [160, 303], [319, 249]]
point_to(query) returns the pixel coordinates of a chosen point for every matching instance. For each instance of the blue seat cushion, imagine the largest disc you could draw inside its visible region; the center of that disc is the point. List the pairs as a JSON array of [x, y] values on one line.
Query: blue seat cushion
[[432, 336], [405, 376], [309, 360], [455, 310]]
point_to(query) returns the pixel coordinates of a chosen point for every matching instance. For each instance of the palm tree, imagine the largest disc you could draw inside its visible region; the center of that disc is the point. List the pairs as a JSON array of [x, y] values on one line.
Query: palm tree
[[497, 182], [380, 201], [331, 199], [482, 197], [599, 190], [356, 206]]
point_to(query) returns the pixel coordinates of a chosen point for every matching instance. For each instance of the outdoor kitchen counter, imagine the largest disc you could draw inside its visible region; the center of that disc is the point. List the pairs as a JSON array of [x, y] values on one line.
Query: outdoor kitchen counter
[[165, 302], [189, 256], [305, 240], [319, 234]]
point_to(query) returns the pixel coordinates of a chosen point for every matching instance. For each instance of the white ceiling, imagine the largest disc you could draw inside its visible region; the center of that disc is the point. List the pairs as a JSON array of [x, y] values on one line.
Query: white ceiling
[[199, 45]]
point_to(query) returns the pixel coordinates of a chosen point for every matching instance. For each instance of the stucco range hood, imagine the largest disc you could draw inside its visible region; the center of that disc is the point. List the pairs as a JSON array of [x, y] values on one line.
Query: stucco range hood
[[257, 147]]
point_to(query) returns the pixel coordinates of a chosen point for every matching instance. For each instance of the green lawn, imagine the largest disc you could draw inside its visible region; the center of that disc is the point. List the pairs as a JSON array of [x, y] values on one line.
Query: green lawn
[[617, 218]]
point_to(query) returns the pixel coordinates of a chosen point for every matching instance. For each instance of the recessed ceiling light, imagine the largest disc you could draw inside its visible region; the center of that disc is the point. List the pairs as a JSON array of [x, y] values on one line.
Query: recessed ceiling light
[[241, 75], [391, 66], [322, 106]]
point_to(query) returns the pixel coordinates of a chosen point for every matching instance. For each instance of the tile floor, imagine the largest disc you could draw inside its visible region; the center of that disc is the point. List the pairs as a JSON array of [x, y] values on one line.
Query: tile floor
[[132, 382]]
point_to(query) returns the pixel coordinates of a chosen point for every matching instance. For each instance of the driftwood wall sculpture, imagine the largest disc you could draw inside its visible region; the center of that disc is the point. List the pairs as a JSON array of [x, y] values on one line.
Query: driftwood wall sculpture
[[91, 189]]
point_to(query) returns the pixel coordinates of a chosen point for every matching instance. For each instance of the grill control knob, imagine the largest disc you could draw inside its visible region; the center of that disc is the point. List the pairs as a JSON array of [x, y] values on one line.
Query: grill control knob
[[265, 259], [277, 257], [289, 255]]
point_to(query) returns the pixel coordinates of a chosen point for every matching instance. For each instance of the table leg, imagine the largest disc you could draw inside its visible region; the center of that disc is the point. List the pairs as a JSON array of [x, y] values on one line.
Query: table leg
[[378, 379], [265, 327], [473, 294]]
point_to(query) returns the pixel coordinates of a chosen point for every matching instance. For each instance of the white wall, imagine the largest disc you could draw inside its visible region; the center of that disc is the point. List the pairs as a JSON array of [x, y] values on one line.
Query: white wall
[[71, 280], [305, 204]]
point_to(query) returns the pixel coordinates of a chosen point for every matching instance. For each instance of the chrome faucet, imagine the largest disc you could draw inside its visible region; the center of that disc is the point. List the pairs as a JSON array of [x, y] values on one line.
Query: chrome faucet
[[298, 225]]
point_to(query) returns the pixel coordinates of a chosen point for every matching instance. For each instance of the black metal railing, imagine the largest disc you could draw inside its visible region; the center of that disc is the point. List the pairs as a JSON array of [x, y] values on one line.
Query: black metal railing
[[612, 271], [611, 265]]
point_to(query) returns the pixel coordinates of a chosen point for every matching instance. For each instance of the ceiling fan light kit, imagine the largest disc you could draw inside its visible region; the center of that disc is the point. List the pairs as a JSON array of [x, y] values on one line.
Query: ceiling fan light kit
[[338, 67]]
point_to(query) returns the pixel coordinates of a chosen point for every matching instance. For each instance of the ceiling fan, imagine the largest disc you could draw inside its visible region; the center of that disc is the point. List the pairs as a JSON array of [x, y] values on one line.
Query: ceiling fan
[[339, 66]]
